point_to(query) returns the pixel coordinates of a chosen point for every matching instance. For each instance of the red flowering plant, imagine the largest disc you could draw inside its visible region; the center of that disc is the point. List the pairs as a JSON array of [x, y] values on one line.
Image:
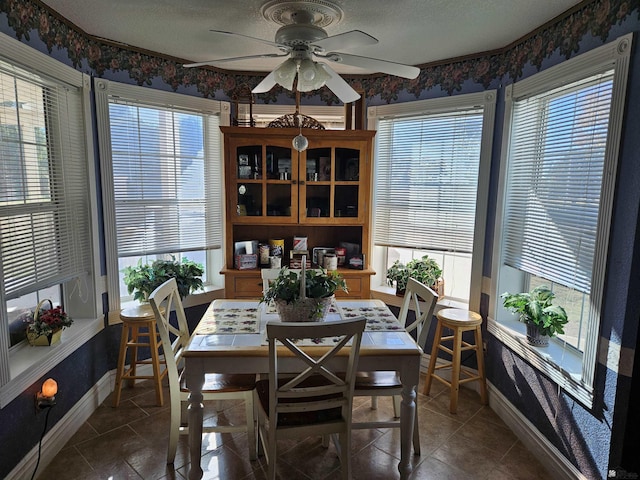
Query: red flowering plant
[[46, 322]]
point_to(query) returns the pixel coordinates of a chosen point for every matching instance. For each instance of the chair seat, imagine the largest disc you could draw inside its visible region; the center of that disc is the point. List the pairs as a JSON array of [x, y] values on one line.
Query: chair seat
[[377, 380], [220, 383], [300, 418]]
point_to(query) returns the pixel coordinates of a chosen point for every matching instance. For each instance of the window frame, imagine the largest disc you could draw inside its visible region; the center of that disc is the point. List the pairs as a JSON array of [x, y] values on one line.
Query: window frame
[[22, 365], [487, 102], [570, 369], [148, 97]]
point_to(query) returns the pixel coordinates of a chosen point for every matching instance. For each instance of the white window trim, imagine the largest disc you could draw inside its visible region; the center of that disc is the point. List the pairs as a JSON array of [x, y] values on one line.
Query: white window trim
[[568, 368], [24, 365], [104, 89], [486, 100]]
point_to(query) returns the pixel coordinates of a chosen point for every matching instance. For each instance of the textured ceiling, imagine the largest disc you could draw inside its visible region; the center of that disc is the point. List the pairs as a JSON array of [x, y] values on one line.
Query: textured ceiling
[[409, 31]]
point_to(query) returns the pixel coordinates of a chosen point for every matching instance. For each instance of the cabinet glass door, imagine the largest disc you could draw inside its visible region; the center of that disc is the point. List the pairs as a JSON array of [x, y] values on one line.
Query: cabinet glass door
[[317, 201], [280, 169], [347, 182], [248, 173]]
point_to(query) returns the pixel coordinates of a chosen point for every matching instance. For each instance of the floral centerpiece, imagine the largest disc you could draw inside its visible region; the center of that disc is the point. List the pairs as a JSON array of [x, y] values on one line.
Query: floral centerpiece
[[306, 296], [45, 327]]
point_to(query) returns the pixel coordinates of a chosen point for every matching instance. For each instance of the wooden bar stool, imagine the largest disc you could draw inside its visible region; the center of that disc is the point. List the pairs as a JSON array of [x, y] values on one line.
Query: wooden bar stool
[[139, 323], [458, 321]]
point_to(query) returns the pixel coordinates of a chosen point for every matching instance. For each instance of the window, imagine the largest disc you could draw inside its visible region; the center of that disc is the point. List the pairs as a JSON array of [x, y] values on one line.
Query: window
[[46, 248], [429, 188], [163, 173], [556, 205]]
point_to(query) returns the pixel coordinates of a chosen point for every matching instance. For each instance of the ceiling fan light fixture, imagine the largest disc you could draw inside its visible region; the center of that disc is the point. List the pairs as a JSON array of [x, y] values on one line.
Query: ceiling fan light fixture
[[311, 76], [285, 74]]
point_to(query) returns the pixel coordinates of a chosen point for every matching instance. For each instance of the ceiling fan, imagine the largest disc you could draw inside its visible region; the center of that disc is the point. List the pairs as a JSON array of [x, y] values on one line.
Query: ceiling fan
[[301, 38]]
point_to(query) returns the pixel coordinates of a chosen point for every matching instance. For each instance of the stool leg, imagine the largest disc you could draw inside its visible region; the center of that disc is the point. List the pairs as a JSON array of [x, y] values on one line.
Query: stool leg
[[122, 355], [155, 361], [432, 360], [135, 333], [480, 360], [455, 370]]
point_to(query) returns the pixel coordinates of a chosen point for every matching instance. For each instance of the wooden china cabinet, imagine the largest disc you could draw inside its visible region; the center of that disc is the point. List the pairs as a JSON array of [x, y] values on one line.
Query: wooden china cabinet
[[276, 192]]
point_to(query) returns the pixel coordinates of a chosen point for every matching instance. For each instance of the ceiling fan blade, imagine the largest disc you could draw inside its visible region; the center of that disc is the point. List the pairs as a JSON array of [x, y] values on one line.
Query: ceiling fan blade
[[266, 84], [233, 59], [346, 41], [266, 42], [338, 86], [391, 68]]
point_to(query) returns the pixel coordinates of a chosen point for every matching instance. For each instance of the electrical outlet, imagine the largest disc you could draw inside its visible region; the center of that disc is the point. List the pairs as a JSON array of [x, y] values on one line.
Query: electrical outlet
[[484, 346]]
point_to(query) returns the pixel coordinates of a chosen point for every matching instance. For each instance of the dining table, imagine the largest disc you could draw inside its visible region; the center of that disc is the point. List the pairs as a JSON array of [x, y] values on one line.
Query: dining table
[[231, 338]]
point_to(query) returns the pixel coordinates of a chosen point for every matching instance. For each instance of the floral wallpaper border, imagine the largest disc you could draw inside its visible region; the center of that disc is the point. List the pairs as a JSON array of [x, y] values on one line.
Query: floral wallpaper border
[[595, 17]]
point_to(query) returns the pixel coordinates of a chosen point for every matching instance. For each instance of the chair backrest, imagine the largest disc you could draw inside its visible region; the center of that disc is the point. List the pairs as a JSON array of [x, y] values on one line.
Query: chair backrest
[[418, 292], [335, 388], [164, 300], [269, 275]]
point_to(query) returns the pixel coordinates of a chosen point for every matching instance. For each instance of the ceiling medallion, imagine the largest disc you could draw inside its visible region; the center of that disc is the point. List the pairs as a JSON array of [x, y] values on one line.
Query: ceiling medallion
[[324, 12]]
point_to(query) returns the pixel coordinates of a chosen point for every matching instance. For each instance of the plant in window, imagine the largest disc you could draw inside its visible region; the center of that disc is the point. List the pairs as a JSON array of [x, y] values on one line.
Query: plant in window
[[45, 326], [306, 296], [143, 279], [399, 275], [426, 270], [535, 309]]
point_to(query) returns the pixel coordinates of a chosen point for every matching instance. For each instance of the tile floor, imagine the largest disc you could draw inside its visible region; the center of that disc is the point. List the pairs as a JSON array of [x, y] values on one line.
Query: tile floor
[[129, 442]]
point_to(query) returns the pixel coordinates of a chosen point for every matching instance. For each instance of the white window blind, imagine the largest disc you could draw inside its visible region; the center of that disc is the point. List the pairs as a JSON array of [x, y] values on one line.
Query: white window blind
[[556, 161], [427, 180], [44, 202], [163, 166]]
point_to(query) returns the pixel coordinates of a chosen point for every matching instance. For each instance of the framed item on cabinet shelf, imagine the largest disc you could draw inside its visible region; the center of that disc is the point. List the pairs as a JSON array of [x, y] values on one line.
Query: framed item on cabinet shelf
[[357, 262]]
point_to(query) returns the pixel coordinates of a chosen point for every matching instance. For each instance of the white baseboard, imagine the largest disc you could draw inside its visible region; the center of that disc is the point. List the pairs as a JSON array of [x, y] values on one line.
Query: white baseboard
[[62, 431], [530, 436]]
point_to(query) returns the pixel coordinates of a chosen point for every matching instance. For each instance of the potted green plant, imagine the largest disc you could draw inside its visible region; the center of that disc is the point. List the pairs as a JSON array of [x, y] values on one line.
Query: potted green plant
[[535, 309], [398, 275], [426, 270], [143, 279], [304, 296]]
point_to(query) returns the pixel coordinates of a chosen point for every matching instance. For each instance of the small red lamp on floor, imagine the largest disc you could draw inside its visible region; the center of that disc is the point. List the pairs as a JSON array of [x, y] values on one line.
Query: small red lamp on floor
[[46, 397]]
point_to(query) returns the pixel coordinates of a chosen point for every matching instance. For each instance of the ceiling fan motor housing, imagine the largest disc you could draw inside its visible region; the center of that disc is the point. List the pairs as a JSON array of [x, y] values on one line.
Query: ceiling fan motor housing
[[299, 34]]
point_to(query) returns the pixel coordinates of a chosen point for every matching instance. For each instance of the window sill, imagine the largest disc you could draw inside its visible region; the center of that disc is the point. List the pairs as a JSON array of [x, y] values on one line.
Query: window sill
[[27, 364], [388, 296], [562, 364]]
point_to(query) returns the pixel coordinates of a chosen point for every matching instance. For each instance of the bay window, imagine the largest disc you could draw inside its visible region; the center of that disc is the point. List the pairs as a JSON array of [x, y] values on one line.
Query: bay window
[[556, 187], [162, 180], [46, 242], [430, 173]]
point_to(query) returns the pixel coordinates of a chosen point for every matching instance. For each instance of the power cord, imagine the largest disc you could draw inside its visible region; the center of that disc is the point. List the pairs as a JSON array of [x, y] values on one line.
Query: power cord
[[46, 421]]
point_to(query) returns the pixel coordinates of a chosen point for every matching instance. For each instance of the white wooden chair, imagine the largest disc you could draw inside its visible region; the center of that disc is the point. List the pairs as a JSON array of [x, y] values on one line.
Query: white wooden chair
[[383, 383], [316, 401], [163, 300]]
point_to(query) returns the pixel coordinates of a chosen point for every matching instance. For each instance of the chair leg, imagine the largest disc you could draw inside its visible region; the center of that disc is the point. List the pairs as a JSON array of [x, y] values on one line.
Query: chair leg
[[176, 421], [272, 452], [416, 432], [432, 360], [122, 356], [480, 360], [251, 426], [345, 455], [374, 402], [396, 406], [155, 361], [455, 370]]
